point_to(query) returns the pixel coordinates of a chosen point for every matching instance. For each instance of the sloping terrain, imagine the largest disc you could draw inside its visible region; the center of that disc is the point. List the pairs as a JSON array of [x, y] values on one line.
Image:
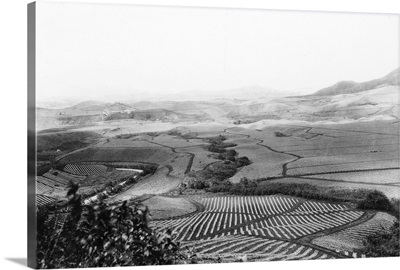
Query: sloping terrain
[[349, 87]]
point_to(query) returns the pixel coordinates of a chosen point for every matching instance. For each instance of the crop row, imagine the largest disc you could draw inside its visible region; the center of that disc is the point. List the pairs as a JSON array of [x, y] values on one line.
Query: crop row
[[57, 181], [353, 238], [317, 207], [42, 188], [296, 226], [265, 216], [43, 200], [239, 245], [85, 169], [69, 177], [345, 167], [254, 205]]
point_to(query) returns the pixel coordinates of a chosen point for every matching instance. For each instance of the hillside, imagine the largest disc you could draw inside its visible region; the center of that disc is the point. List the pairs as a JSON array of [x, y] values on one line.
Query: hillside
[[153, 114], [349, 87]]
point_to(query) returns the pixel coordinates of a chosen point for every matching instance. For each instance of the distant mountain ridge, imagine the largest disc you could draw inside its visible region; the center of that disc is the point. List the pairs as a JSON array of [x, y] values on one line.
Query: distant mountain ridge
[[349, 87]]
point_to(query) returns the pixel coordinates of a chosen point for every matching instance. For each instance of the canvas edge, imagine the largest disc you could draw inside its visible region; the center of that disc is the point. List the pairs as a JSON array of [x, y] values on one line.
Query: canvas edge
[[31, 88]]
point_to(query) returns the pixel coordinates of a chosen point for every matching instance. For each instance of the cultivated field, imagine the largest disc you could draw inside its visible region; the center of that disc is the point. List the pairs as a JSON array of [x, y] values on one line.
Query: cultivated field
[[349, 156], [275, 223], [162, 207], [234, 247], [352, 238]]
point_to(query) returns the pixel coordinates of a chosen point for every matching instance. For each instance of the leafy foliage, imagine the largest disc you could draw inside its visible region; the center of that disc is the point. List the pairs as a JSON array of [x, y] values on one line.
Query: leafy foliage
[[102, 236], [375, 200], [384, 244]]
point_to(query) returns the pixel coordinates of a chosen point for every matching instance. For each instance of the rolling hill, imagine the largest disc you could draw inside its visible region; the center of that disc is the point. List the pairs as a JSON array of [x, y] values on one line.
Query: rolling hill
[[349, 87]]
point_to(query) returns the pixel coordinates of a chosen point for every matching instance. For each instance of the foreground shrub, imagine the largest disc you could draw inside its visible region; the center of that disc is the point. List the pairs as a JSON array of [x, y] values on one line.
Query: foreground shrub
[[375, 200], [384, 244], [102, 236]]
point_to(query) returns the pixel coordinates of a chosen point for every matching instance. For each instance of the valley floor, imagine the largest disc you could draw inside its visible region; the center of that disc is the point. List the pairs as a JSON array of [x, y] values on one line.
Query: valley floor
[[358, 155]]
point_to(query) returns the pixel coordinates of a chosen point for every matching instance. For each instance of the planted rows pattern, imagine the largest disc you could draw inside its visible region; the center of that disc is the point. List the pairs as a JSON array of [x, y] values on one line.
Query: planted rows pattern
[[261, 249], [253, 205], [352, 238], [267, 216], [296, 226], [85, 169], [43, 200]]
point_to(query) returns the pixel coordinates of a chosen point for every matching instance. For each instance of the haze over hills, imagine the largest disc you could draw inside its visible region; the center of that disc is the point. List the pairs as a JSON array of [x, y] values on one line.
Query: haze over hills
[[348, 87], [344, 101]]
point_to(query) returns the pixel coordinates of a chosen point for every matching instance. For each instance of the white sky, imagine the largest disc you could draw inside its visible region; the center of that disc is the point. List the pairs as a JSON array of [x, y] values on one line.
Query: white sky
[[87, 51]]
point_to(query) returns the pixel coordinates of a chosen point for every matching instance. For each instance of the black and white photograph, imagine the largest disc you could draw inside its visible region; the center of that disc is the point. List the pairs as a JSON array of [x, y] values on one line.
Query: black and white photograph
[[166, 135]]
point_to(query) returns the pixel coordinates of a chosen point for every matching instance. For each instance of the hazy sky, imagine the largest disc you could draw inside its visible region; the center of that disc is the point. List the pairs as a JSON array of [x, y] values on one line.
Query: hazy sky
[[88, 51]]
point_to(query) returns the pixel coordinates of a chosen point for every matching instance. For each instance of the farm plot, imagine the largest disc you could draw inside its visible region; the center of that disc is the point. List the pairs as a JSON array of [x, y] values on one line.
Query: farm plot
[[352, 238], [372, 127], [345, 167], [392, 191], [252, 205], [264, 162], [294, 226], [206, 130], [106, 154], [68, 177], [204, 225], [373, 133], [115, 176], [272, 217], [179, 163], [162, 156], [50, 188], [161, 207], [232, 247], [373, 177], [157, 183], [43, 200], [361, 149], [201, 157], [42, 188], [323, 143], [176, 141], [340, 159], [131, 142], [53, 175], [85, 169]]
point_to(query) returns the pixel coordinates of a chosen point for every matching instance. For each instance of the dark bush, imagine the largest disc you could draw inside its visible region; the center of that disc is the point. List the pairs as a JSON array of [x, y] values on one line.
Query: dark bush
[[243, 161], [280, 134], [230, 158], [231, 153], [384, 244], [375, 200], [215, 149], [102, 236], [220, 186], [198, 184], [221, 171]]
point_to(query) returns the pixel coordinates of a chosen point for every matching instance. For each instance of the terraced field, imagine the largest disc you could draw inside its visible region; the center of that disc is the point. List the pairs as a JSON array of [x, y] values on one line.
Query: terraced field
[[158, 183], [227, 222], [391, 191], [109, 154], [264, 162], [232, 247], [356, 155], [85, 169], [351, 239], [43, 200], [201, 157], [162, 207], [373, 177]]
